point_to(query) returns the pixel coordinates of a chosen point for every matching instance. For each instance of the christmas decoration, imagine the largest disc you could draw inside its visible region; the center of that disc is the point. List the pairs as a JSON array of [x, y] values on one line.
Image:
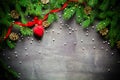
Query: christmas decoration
[[118, 44], [104, 31], [87, 10], [14, 14], [13, 36], [38, 30], [46, 24], [45, 1], [85, 13]]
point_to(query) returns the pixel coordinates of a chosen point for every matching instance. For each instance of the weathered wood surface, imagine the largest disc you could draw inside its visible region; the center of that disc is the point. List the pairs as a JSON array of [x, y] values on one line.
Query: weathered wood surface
[[66, 52]]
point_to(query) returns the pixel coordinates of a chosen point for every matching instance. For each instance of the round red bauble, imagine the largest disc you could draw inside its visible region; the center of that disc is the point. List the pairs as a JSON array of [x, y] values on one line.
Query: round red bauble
[[38, 30]]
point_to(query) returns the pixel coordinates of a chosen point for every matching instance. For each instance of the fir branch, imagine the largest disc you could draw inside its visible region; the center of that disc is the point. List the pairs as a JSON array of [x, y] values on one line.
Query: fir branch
[[69, 12], [105, 4], [79, 14], [92, 3], [25, 31], [9, 72], [102, 15], [86, 23], [102, 24], [10, 44], [52, 18]]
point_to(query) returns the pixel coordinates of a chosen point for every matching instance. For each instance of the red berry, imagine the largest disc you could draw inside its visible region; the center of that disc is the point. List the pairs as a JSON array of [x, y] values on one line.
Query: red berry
[[38, 30]]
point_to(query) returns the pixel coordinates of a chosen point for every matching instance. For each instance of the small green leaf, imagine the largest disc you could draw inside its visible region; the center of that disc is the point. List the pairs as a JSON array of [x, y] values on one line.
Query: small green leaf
[[26, 31], [92, 3], [11, 44], [102, 24], [104, 5], [86, 23], [79, 15], [52, 18], [69, 12]]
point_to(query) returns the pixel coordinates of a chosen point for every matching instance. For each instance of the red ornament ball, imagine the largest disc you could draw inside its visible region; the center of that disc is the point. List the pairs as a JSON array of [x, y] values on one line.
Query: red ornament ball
[[38, 30]]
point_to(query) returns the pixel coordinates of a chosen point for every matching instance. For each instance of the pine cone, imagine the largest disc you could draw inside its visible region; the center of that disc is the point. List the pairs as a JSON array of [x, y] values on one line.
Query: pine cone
[[118, 44], [104, 31], [14, 36], [87, 10], [46, 24], [14, 14], [45, 1]]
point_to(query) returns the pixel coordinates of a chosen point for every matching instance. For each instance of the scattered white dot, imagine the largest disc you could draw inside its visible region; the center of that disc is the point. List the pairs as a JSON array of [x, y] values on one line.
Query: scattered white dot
[[93, 27], [112, 53], [94, 47], [53, 31], [93, 39], [3, 54], [65, 44], [75, 29], [83, 48], [70, 28], [26, 54], [25, 48], [9, 67], [70, 32], [108, 70], [39, 52], [16, 56], [102, 47], [53, 39], [32, 39], [81, 41], [8, 57], [87, 31], [20, 62], [106, 50], [15, 52], [28, 37], [19, 40], [103, 42], [86, 34], [60, 16], [60, 27], [31, 42]]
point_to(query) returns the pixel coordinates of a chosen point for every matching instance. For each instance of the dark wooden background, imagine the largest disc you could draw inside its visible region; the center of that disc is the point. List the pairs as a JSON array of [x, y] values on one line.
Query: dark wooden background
[[66, 52]]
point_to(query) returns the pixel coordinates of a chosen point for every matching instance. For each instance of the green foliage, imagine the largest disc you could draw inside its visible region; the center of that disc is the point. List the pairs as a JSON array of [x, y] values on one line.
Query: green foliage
[[10, 44], [102, 15], [10, 73], [93, 15], [114, 33], [57, 4], [25, 31], [80, 1], [92, 3], [105, 4], [102, 24], [52, 18], [79, 14], [69, 12], [86, 23]]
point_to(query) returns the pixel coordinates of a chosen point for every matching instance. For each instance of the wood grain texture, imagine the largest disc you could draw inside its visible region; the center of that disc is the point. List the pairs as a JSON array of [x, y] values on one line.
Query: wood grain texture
[[66, 52]]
